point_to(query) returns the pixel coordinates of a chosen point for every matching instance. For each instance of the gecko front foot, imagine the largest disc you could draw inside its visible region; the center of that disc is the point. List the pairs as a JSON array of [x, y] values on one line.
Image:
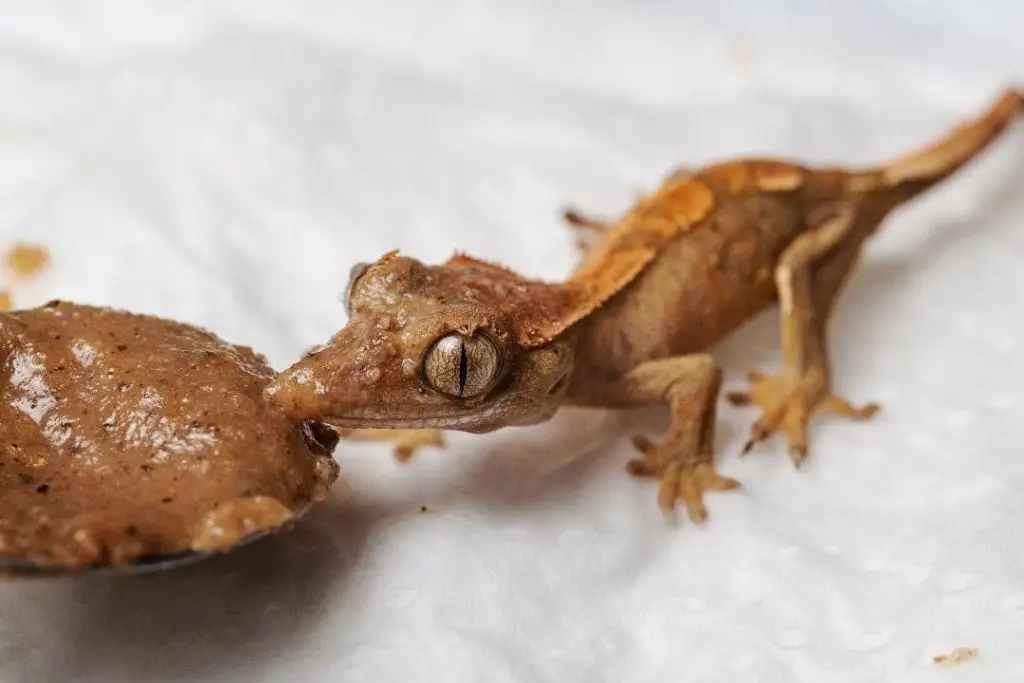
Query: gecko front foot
[[681, 476], [406, 441], [789, 404]]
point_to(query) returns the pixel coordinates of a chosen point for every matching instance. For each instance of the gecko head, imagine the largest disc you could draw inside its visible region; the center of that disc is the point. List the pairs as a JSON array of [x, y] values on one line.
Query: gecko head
[[426, 347]]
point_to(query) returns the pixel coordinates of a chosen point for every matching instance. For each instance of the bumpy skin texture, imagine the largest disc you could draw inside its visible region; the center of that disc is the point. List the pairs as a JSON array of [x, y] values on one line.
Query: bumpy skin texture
[[468, 345]]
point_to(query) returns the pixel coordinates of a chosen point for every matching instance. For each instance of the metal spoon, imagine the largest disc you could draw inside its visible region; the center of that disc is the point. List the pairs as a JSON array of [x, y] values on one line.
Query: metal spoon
[[12, 566]]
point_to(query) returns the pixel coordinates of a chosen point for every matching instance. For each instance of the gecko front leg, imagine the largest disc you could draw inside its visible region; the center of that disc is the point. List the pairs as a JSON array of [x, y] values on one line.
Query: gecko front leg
[[808, 278], [405, 441], [683, 463]]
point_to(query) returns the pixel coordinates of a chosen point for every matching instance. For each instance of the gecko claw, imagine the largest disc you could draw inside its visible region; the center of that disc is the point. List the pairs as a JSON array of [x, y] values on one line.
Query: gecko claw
[[761, 430], [680, 478], [788, 405], [798, 454]]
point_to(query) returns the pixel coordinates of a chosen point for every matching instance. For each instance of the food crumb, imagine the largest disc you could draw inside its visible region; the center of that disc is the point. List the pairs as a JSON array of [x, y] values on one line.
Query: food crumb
[[956, 657], [26, 260], [21, 261]]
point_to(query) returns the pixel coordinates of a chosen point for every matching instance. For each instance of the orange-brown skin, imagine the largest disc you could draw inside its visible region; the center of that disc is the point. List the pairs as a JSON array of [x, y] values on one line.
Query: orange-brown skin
[[471, 346]]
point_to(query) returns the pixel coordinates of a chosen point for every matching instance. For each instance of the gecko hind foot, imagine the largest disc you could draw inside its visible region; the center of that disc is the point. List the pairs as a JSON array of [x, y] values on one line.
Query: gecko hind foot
[[789, 405], [684, 478]]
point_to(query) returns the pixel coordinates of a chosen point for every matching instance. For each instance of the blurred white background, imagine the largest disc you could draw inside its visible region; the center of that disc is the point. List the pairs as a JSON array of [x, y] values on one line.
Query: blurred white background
[[225, 163]]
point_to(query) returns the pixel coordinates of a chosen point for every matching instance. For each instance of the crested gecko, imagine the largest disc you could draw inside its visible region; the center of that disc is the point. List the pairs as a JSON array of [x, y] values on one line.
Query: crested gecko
[[473, 346]]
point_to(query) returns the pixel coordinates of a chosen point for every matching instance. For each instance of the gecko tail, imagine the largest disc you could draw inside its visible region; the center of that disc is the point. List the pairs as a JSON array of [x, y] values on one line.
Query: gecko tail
[[907, 176]]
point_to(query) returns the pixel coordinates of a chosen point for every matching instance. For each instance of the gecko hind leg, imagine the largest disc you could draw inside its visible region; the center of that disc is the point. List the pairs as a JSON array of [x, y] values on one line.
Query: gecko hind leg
[[599, 227], [808, 278], [684, 462], [589, 230]]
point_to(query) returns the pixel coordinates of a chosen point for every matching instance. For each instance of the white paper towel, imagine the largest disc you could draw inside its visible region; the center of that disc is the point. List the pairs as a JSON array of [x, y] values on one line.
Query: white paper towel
[[225, 163]]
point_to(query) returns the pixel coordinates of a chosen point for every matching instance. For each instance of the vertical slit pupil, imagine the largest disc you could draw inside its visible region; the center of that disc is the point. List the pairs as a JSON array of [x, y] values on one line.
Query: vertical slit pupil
[[463, 367]]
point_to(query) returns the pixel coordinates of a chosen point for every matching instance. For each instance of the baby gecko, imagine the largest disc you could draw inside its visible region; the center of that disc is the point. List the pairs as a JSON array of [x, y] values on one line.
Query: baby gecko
[[472, 346]]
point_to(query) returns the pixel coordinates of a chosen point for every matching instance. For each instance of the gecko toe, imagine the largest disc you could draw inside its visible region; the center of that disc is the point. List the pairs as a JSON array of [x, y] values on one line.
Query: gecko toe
[[647, 466], [690, 483], [682, 477], [841, 407], [756, 376], [798, 454], [713, 481], [692, 496], [640, 468], [762, 430], [739, 398], [788, 404], [644, 445]]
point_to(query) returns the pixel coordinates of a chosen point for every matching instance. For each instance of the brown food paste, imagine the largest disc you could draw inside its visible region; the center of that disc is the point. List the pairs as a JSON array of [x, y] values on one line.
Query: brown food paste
[[126, 436]]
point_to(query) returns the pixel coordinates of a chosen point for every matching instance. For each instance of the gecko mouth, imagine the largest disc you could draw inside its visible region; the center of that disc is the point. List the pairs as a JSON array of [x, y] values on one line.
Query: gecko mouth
[[397, 422], [479, 420]]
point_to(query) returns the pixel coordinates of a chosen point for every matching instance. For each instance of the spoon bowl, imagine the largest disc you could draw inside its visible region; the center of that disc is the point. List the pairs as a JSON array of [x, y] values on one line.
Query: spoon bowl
[[132, 444], [19, 567]]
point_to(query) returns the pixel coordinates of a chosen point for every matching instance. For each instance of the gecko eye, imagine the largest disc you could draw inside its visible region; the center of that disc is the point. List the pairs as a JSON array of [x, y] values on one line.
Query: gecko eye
[[460, 365]]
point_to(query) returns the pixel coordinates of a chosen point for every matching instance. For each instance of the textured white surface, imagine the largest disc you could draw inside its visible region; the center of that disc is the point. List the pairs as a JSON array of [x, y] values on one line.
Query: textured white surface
[[226, 162]]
